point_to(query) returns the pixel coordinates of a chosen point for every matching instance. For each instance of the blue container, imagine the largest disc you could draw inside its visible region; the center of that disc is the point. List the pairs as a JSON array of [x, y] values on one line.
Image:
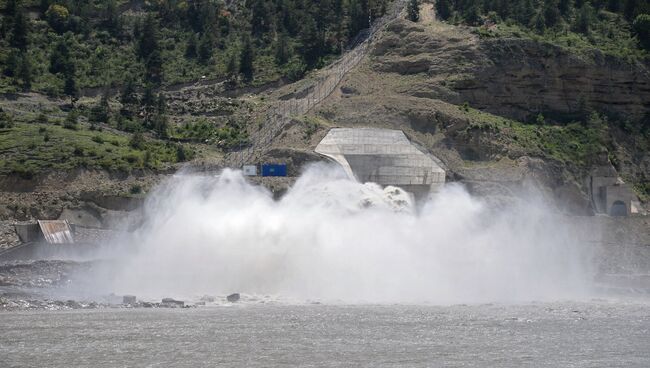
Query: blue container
[[274, 170]]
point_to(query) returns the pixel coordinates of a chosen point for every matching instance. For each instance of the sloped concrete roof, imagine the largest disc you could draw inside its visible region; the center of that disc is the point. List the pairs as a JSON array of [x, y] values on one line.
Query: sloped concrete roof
[[382, 156]]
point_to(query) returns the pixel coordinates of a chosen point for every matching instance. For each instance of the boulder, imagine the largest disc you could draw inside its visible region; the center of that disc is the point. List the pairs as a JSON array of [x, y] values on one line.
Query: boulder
[[233, 297]]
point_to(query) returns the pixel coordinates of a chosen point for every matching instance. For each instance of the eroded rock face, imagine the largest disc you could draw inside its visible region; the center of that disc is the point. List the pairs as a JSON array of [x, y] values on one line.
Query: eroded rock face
[[518, 78], [523, 77]]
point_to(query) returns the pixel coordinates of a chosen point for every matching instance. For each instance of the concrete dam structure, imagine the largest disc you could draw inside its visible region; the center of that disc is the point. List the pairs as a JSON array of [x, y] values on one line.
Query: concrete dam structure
[[382, 156]]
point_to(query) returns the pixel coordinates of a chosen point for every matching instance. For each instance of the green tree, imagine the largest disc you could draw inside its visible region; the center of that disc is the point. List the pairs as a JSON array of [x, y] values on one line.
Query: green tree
[[190, 49], [128, 99], [25, 72], [19, 31], [246, 60], [641, 27], [472, 15], [206, 47], [443, 9], [57, 17], [112, 17], [60, 58], [525, 12], [539, 23], [70, 85], [311, 44], [137, 141], [565, 7], [147, 37], [154, 68], [12, 8], [413, 10], [282, 50], [584, 18], [12, 63], [551, 13], [232, 68], [100, 113]]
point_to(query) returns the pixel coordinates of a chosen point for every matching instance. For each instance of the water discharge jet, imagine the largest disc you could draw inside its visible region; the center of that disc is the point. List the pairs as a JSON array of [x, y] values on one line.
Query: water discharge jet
[[333, 239]]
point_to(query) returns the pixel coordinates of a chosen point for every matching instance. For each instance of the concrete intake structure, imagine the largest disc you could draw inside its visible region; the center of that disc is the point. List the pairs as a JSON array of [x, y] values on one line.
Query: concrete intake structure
[[382, 156]]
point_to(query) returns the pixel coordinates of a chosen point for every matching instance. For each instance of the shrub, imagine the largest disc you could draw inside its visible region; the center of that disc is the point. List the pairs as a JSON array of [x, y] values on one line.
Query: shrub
[[57, 17], [135, 189], [42, 118], [137, 141]]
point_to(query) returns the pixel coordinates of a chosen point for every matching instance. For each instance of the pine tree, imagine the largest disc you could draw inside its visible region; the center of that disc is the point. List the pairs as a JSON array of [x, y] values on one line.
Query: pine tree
[[282, 51], [614, 6], [154, 68], [526, 12], [565, 7], [57, 17], [190, 49], [19, 31], [112, 17], [70, 85], [232, 68], [12, 8], [311, 42], [413, 10], [539, 23], [641, 27], [44, 5], [128, 98], [443, 9], [246, 60], [60, 58], [206, 47], [583, 20], [551, 13], [260, 18], [12, 63], [148, 38], [472, 15], [100, 113], [25, 72]]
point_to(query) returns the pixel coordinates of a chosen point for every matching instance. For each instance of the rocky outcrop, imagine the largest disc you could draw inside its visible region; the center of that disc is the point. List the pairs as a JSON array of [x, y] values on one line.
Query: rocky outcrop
[[514, 77], [523, 77]]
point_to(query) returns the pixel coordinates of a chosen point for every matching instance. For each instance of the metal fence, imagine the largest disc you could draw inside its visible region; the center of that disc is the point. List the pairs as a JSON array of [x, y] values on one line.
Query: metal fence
[[279, 115]]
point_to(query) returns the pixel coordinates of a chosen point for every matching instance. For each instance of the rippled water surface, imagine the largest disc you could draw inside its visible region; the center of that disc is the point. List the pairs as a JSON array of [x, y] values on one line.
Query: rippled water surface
[[598, 334]]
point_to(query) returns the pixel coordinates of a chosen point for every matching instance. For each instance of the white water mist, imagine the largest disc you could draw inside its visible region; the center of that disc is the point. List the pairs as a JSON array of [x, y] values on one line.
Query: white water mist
[[332, 239]]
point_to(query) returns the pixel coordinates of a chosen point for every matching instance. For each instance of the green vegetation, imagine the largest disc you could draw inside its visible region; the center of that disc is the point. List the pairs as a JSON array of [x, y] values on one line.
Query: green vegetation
[[29, 148], [72, 45], [617, 27], [229, 136], [575, 143]]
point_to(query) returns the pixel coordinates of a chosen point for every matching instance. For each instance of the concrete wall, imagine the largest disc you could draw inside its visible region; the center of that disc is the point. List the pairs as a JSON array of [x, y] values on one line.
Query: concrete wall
[[29, 232], [619, 193], [382, 156]]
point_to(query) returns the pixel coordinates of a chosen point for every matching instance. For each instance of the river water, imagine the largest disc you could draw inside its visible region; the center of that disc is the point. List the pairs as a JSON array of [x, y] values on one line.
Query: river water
[[563, 334]]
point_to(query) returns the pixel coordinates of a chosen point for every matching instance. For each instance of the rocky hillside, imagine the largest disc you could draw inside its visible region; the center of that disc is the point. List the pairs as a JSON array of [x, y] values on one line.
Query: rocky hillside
[[503, 111], [499, 111]]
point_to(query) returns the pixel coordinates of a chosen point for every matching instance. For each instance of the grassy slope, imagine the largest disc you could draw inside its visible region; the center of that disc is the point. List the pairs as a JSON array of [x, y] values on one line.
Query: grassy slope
[[28, 148]]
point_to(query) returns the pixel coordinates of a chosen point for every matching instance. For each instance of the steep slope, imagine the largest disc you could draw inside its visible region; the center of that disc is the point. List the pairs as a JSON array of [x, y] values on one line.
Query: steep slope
[[463, 97]]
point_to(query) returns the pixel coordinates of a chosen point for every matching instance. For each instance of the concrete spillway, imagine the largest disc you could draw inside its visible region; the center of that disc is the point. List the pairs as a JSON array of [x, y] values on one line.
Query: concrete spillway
[[382, 156]]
